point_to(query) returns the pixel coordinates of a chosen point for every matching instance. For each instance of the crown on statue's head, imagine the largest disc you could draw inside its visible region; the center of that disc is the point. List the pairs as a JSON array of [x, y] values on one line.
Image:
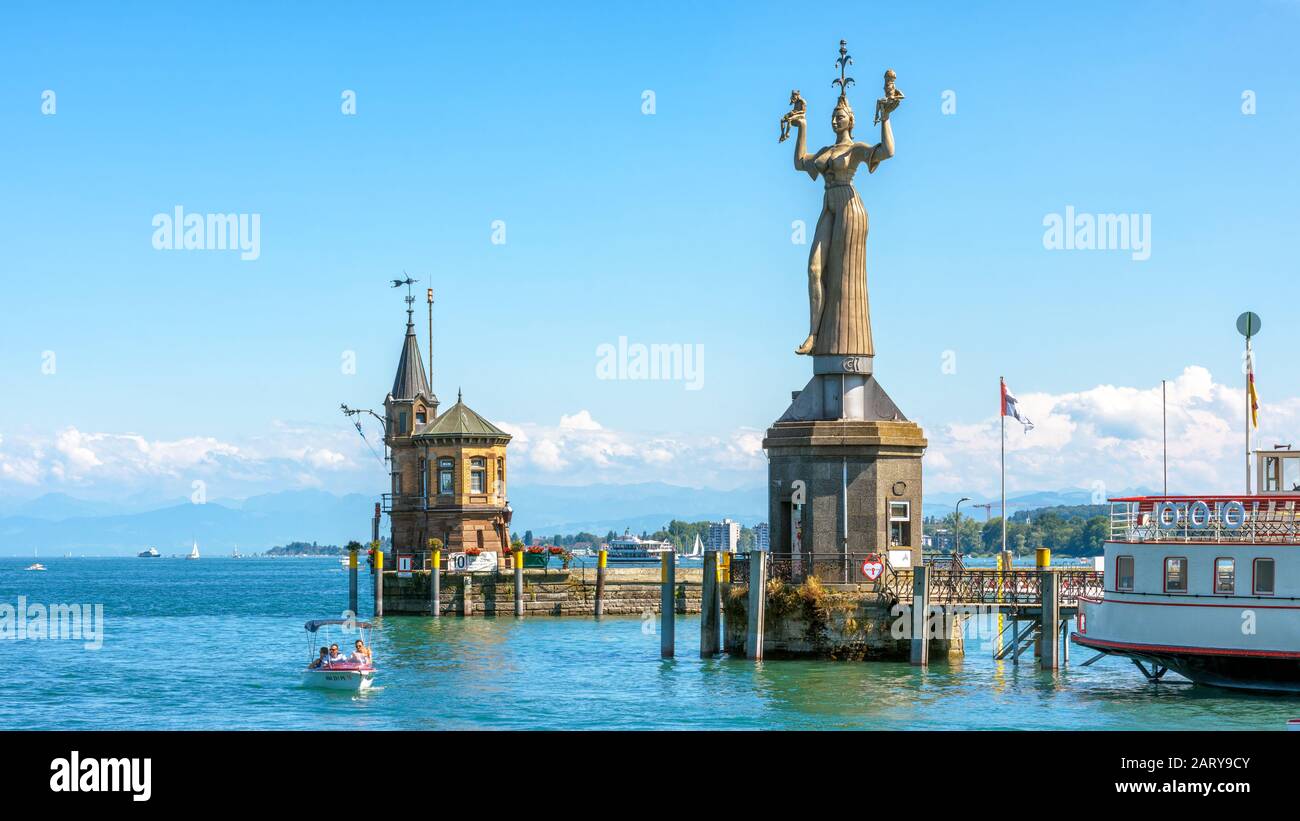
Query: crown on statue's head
[[843, 81]]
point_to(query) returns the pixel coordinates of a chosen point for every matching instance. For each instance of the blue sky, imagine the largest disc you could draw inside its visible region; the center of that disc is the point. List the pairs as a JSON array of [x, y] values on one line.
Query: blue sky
[[671, 227]]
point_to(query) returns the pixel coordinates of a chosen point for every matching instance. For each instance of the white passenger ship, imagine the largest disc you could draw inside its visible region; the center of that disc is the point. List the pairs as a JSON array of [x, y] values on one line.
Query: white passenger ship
[[630, 548], [1206, 586]]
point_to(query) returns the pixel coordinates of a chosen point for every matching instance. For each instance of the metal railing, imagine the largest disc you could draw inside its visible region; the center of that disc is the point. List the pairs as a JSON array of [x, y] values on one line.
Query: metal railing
[[947, 585], [795, 568], [403, 502], [1205, 519]]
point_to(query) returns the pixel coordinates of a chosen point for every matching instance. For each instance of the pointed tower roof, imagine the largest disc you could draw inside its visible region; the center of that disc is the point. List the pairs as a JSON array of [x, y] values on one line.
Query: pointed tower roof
[[410, 381], [461, 421]]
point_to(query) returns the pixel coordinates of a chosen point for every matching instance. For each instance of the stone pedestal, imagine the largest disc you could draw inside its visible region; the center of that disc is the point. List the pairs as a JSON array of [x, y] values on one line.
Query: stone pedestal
[[848, 451]]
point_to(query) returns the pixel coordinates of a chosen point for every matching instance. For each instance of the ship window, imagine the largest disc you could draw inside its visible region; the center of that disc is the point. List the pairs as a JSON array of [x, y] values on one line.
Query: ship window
[[477, 475], [445, 473], [1272, 482], [1264, 577], [1225, 576], [900, 524], [1124, 573], [1291, 474], [1176, 575]]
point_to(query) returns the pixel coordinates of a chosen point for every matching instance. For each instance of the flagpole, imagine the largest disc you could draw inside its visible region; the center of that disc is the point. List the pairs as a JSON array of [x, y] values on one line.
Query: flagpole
[[1250, 368], [1164, 433], [1002, 414]]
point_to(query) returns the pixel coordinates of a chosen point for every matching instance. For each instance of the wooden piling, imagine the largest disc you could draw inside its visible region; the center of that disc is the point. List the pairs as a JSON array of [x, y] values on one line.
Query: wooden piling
[[1043, 561], [710, 608], [1049, 657], [667, 606], [519, 584], [920, 611], [352, 581], [435, 583], [600, 582], [379, 580], [757, 604]]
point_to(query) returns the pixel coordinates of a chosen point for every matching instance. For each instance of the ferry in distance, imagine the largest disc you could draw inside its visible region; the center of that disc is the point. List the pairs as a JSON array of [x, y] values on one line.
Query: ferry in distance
[[1206, 586], [629, 548], [148, 553]]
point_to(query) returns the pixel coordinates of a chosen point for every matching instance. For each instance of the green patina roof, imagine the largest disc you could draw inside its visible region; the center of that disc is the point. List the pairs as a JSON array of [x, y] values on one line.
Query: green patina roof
[[461, 420]]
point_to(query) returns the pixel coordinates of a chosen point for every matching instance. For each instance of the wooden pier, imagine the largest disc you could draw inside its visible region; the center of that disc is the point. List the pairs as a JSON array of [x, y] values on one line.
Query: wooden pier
[[1032, 604]]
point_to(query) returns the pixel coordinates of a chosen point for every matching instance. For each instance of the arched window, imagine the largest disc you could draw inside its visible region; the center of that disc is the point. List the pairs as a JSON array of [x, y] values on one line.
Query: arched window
[[446, 474], [477, 475]]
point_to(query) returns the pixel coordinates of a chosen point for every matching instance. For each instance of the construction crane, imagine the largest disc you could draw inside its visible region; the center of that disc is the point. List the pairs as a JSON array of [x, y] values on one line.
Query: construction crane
[[988, 508]]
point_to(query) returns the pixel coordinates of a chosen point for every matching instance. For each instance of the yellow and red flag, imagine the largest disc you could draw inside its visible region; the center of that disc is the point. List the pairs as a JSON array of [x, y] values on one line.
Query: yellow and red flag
[[1254, 397]]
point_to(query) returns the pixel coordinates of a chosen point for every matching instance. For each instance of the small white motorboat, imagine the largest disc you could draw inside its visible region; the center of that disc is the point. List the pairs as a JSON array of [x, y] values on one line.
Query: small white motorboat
[[37, 566], [341, 675]]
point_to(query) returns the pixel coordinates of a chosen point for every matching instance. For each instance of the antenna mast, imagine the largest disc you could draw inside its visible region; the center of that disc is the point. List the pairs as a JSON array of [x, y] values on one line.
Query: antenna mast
[[431, 341]]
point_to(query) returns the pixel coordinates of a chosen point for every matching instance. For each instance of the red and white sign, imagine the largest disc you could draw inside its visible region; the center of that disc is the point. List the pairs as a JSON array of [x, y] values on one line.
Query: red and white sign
[[403, 567], [873, 567]]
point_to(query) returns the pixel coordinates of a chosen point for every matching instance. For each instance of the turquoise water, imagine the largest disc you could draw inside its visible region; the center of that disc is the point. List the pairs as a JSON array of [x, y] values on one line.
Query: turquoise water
[[218, 643]]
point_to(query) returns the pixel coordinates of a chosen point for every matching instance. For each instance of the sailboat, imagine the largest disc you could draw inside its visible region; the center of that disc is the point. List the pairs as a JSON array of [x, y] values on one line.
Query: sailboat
[[697, 551], [35, 565], [194, 551], [236, 554]]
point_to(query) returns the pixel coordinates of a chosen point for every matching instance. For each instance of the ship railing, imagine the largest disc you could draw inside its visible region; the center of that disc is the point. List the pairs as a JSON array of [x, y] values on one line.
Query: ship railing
[[1206, 519]]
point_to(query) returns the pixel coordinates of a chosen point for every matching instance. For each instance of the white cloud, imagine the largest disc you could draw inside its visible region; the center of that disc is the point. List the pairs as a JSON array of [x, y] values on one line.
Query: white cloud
[[579, 421], [113, 465], [1112, 435], [580, 450]]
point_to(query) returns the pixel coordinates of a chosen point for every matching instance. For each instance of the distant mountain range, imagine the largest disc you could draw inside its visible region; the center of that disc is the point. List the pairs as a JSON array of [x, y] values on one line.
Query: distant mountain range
[[941, 504], [59, 523]]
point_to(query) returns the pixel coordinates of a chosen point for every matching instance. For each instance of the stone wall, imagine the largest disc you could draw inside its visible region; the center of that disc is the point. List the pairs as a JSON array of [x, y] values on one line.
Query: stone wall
[[628, 592], [843, 622]]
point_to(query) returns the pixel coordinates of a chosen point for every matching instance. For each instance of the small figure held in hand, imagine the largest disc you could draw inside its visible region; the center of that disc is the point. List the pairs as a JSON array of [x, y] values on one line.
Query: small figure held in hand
[[892, 97], [797, 109]]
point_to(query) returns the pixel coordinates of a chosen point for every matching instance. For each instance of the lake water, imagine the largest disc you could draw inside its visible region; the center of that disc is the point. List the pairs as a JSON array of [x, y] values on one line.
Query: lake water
[[218, 643]]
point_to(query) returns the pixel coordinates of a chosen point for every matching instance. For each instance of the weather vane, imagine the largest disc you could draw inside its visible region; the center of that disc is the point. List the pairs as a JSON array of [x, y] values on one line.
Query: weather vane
[[410, 298]]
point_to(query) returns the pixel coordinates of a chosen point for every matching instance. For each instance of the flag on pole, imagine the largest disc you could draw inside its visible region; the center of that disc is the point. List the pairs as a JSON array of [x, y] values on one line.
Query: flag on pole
[[1254, 397], [1012, 409]]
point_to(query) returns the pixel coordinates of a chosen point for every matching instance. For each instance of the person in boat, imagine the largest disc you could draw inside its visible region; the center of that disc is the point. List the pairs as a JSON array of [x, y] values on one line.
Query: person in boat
[[362, 654], [322, 660], [335, 656]]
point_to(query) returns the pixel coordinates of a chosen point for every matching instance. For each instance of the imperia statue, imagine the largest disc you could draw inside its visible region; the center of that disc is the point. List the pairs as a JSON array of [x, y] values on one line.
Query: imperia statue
[[839, 315]]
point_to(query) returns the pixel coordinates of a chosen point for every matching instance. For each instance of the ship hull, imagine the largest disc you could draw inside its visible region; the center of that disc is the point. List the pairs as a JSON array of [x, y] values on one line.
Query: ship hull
[[1275, 673]]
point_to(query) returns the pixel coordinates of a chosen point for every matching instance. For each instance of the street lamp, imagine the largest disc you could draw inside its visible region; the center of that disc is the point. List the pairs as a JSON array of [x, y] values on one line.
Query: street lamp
[[956, 529]]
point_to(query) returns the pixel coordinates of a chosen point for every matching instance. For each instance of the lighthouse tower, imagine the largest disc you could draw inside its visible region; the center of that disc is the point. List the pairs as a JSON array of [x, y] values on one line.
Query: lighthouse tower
[[448, 471]]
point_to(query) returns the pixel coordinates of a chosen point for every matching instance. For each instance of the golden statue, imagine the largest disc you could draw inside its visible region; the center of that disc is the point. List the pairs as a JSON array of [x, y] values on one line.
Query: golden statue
[[840, 317]]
